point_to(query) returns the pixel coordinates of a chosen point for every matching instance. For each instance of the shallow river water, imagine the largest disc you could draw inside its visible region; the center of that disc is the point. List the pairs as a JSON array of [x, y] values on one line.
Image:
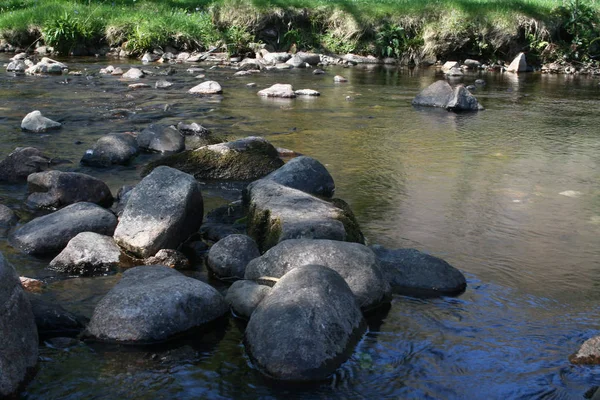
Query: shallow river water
[[510, 196]]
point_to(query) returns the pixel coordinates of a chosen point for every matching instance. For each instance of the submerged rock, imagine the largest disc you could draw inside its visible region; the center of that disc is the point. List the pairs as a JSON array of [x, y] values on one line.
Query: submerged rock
[[413, 273], [306, 327], [22, 162], [244, 296], [163, 210], [240, 160], [153, 303], [161, 138], [356, 263], [87, 254], [440, 94], [277, 213], [18, 333], [57, 189], [114, 148], [36, 122], [306, 174], [51, 233], [227, 259]]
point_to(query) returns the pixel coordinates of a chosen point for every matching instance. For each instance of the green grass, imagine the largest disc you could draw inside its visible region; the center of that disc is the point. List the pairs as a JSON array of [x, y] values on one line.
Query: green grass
[[405, 29]]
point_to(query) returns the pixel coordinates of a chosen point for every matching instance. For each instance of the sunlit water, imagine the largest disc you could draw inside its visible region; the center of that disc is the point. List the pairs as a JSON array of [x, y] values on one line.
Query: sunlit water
[[510, 195]]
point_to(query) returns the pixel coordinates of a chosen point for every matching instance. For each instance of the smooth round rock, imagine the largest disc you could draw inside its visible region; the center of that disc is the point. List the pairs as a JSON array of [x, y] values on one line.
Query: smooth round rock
[[114, 148], [305, 174], [227, 259], [244, 296], [36, 122]]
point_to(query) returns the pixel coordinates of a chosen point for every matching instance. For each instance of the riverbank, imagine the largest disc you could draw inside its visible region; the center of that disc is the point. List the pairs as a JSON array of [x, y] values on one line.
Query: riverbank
[[411, 32]]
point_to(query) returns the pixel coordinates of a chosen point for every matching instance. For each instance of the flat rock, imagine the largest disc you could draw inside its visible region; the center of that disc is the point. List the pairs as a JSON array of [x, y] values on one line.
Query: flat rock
[[18, 333], [413, 273], [305, 174], [244, 296], [306, 327], [161, 138], [277, 213], [278, 90], [356, 263], [163, 210], [307, 92], [36, 122], [227, 259], [208, 87], [244, 159], [88, 254], [51, 233], [152, 304], [55, 189], [112, 149], [133, 73]]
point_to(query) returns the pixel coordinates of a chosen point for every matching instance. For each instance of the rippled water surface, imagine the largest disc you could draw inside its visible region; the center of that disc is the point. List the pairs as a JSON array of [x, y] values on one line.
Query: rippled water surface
[[510, 195]]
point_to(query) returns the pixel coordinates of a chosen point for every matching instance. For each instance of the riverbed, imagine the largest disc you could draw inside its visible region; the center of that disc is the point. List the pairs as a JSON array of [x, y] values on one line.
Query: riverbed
[[509, 195]]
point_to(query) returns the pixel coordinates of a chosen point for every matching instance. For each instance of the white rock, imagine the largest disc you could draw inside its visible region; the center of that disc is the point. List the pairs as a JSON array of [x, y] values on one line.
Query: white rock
[[519, 64], [278, 90], [307, 92], [208, 87], [36, 122]]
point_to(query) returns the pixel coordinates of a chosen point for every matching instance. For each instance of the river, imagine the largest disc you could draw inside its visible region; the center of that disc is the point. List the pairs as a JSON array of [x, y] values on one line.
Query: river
[[509, 195]]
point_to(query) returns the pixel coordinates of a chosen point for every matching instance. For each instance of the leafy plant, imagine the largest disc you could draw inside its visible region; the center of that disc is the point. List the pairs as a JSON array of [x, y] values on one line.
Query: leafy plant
[[68, 31], [579, 29], [237, 40]]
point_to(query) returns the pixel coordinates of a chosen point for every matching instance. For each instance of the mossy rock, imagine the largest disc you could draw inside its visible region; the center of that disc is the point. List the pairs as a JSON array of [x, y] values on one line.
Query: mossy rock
[[244, 159]]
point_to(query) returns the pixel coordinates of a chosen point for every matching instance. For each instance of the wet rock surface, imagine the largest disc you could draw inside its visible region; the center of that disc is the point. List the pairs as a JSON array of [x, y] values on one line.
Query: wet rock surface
[[305, 174], [87, 254], [227, 259], [52, 320], [112, 149], [244, 296]]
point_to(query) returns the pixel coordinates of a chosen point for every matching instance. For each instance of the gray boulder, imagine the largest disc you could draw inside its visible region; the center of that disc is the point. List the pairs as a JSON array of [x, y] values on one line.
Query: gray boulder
[[163, 210], [281, 90], [8, 219], [357, 59], [57, 189], [307, 92], [306, 174], [244, 296], [114, 148], [47, 66], [51, 233], [244, 159], [473, 64], [87, 254], [21, 162], [277, 213], [161, 138], [18, 333], [133, 73], [275, 58], [208, 87], [227, 259], [250, 64], [36, 122], [413, 273], [519, 64], [588, 353], [440, 94], [309, 58], [296, 61], [306, 327], [16, 66], [151, 304], [356, 263], [52, 320]]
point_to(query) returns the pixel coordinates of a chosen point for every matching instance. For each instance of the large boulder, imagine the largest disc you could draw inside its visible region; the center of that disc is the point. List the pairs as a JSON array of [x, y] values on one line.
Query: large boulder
[[277, 213], [52, 320], [518, 64], [306, 174], [281, 90], [57, 189], [36, 122], [51, 233], [21, 162], [244, 159], [153, 303], [441, 94], [161, 138], [18, 333], [306, 327], [87, 254], [227, 259], [356, 263], [411, 272], [244, 296], [114, 148], [163, 210]]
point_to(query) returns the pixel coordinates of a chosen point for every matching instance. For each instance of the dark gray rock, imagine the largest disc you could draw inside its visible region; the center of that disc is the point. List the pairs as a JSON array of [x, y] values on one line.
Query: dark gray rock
[[52, 320], [214, 231], [462, 100], [51, 233], [170, 258], [244, 159], [8, 219], [277, 213], [411, 272], [440, 94], [121, 200], [57, 189], [36, 122], [227, 214], [192, 129], [163, 210], [112, 149], [161, 138], [244, 296], [87, 254], [356, 263], [21, 162], [18, 333], [306, 327], [227, 259], [151, 304], [305, 174]]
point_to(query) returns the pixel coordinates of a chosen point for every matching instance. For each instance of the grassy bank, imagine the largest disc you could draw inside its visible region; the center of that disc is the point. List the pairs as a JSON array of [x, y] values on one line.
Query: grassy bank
[[409, 30]]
